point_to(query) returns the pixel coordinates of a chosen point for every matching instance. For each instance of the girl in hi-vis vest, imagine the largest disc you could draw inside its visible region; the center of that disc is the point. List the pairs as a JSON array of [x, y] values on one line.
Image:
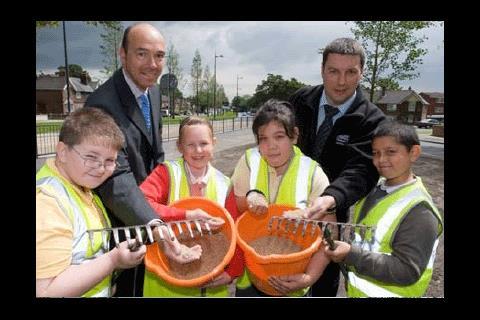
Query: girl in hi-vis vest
[[191, 175], [277, 172], [68, 263], [397, 260]]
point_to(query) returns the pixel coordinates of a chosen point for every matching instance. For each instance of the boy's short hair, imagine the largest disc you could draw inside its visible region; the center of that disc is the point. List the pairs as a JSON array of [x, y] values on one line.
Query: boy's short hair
[[94, 125], [402, 133], [275, 110]]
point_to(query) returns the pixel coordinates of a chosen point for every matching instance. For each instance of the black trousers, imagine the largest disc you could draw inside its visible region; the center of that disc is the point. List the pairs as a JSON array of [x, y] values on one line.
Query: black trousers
[[129, 282], [327, 284]]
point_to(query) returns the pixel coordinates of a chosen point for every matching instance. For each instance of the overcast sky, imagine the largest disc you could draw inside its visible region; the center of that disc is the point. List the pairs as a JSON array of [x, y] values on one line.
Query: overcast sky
[[251, 50]]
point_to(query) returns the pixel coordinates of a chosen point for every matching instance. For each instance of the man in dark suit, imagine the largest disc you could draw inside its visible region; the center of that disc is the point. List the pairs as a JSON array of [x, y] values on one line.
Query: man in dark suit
[[128, 96], [336, 124]]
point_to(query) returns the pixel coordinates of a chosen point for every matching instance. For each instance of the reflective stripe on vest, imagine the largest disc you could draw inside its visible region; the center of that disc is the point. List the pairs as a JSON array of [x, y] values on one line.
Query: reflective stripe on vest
[[299, 174], [83, 250], [386, 215], [218, 186]]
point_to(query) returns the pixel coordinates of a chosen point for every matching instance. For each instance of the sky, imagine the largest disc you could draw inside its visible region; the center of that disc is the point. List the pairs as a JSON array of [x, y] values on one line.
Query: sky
[[251, 50]]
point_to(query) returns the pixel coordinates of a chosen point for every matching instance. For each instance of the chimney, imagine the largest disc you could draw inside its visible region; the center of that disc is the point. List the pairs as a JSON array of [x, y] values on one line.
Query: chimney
[[383, 91], [83, 78], [409, 88]]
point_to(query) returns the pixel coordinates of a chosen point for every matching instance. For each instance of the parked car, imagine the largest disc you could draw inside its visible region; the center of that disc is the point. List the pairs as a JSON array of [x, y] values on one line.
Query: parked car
[[426, 123]]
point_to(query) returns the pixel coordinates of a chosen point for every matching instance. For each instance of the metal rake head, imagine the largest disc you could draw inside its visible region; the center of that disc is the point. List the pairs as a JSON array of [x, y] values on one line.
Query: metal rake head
[[143, 234], [284, 225]]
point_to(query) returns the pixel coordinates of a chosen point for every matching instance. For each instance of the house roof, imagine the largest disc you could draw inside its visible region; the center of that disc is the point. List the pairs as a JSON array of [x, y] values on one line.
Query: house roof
[[399, 96], [434, 94], [55, 83]]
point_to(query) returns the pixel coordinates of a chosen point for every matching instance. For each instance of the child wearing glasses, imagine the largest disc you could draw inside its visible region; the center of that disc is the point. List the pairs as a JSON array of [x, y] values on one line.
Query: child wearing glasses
[[68, 264]]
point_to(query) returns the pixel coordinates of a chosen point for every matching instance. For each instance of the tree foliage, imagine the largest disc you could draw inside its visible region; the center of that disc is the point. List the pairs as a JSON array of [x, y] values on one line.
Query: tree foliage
[[274, 87], [54, 24], [111, 41], [392, 50], [74, 70], [196, 73]]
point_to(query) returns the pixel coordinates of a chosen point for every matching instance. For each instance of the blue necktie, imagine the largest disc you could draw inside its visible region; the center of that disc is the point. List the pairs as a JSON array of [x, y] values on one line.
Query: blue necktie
[[324, 131], [146, 110]]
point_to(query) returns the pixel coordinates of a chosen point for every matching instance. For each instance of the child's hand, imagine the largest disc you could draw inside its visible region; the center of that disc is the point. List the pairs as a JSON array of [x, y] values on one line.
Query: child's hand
[[123, 258], [340, 252], [213, 222], [288, 283], [257, 203]]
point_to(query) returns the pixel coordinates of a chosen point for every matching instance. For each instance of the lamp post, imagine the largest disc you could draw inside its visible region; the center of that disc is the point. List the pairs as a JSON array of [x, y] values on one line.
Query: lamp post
[[237, 86], [215, 81], [67, 81]]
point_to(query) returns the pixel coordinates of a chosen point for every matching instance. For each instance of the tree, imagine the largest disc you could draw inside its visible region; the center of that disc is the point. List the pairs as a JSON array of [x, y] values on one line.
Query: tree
[[196, 73], [392, 51], [54, 24], [173, 65], [111, 41], [274, 87], [74, 70]]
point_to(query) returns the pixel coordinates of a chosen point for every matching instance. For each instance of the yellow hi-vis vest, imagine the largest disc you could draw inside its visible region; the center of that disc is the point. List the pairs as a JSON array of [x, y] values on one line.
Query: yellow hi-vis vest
[[386, 215], [83, 251], [293, 190], [218, 186]]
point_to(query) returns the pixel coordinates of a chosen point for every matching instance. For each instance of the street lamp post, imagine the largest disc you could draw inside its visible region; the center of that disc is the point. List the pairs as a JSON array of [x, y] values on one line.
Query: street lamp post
[[215, 81], [237, 86]]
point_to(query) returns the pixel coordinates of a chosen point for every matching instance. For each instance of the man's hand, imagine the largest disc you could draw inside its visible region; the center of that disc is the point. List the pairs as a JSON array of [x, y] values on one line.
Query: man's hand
[[319, 208], [257, 203], [340, 252]]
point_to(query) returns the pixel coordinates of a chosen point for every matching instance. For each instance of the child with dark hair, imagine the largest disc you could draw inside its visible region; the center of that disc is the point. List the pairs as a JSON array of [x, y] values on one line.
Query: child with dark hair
[[408, 225], [277, 172]]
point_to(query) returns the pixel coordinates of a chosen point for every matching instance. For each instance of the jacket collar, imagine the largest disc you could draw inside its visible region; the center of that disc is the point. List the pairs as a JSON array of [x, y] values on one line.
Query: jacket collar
[[313, 100]]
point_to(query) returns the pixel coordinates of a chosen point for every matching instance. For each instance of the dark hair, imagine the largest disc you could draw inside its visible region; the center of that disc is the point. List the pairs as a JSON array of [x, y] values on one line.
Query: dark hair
[[345, 46], [275, 110], [191, 121], [402, 133], [91, 124]]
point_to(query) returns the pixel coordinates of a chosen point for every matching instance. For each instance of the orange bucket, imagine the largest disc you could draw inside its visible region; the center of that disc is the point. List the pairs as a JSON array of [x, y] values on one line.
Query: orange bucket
[[251, 226], [157, 262]]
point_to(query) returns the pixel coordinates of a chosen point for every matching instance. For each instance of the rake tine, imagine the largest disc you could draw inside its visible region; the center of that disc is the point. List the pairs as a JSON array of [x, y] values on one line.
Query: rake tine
[[287, 222], [297, 224], [170, 232], [270, 223], [279, 223], [304, 229], [362, 233], [199, 227], [131, 245], [105, 240], [207, 226], [138, 235], [190, 230], [115, 237], [312, 228], [160, 233], [90, 236], [149, 233], [179, 227]]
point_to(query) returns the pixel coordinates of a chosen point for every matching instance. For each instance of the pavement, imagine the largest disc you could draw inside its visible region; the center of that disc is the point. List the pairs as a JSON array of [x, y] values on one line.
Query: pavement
[[431, 139]]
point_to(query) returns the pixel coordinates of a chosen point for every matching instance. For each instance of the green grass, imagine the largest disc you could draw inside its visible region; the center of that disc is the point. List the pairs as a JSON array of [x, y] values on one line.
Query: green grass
[[49, 126]]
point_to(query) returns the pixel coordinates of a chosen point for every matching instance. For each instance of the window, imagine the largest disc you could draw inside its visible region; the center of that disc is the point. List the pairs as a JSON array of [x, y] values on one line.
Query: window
[[412, 106], [392, 107], [78, 95], [410, 118]]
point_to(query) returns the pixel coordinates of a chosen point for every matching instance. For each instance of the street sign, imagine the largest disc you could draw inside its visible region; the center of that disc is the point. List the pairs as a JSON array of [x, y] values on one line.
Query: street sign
[[168, 81]]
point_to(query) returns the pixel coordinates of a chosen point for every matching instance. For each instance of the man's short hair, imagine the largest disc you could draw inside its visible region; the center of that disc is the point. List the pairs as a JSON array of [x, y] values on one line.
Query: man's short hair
[[345, 46]]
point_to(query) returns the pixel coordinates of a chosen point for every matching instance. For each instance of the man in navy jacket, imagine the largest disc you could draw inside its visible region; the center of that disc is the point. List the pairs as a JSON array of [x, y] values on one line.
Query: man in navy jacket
[[346, 155]]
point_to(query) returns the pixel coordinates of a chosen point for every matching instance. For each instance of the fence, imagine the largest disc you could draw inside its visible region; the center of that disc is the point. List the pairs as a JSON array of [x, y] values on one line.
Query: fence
[[47, 133]]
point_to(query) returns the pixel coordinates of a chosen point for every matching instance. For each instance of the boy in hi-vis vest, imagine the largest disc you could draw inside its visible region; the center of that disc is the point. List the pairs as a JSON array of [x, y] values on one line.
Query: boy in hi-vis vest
[[67, 263], [398, 261], [192, 175], [276, 171]]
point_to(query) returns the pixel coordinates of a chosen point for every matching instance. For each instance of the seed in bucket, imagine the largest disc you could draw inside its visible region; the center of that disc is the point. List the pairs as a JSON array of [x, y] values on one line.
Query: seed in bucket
[[274, 245], [214, 249]]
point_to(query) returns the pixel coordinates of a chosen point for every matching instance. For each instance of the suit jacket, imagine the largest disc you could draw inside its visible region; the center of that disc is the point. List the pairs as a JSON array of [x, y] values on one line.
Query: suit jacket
[[346, 155], [141, 153]]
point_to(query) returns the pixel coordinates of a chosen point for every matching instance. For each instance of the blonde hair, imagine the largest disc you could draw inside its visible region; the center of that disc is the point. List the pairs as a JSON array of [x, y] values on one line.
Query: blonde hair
[[191, 121]]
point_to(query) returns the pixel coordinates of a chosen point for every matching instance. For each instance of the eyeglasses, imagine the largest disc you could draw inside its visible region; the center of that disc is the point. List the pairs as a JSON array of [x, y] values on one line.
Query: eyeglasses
[[93, 163]]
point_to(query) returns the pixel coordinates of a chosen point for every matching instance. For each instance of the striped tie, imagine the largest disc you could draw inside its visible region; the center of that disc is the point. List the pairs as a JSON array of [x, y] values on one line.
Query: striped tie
[[146, 111], [324, 131]]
